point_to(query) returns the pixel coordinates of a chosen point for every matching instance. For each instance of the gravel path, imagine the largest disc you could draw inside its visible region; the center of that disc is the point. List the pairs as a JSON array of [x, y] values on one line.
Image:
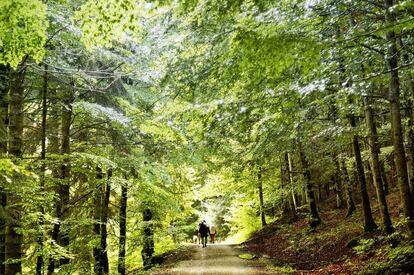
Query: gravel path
[[215, 259]]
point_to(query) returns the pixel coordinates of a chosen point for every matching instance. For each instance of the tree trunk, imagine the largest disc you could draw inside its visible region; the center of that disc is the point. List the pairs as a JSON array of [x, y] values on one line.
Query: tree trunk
[[292, 200], [261, 201], [349, 197], [4, 106], [60, 234], [122, 230], [338, 186], [315, 219], [369, 174], [104, 221], [64, 194], [53, 146], [376, 169], [394, 97], [97, 220], [290, 167], [384, 178], [369, 223], [148, 236], [14, 238], [39, 263]]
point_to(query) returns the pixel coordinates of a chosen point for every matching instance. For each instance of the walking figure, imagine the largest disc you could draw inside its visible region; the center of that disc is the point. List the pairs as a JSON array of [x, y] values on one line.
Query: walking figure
[[204, 232], [213, 233]]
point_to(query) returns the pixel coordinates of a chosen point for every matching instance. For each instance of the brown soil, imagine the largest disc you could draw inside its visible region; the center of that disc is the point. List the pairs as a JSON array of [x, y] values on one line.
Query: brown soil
[[324, 250]]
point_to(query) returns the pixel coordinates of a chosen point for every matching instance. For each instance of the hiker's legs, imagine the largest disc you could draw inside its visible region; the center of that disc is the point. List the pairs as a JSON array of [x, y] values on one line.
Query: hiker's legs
[[204, 240]]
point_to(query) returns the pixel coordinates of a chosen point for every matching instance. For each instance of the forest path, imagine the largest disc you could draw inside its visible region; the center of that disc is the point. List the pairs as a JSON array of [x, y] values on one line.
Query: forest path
[[215, 259]]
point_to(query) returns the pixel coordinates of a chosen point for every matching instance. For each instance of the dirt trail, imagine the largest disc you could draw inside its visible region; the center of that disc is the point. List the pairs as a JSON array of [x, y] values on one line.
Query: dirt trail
[[215, 259]]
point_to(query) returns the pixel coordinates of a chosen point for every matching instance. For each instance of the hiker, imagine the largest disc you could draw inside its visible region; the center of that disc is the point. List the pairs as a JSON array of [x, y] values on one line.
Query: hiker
[[204, 232], [213, 232]]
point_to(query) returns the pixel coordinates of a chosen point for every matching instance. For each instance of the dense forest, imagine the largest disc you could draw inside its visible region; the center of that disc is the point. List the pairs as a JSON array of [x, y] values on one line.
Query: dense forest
[[126, 122]]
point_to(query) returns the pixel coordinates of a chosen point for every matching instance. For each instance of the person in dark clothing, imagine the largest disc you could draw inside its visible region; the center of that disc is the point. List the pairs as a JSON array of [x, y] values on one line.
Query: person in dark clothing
[[204, 232]]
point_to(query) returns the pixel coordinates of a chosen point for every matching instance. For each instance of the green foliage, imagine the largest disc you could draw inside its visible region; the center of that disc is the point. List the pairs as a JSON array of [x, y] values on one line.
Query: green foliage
[[247, 256], [284, 269], [400, 260], [23, 27], [363, 246], [104, 22]]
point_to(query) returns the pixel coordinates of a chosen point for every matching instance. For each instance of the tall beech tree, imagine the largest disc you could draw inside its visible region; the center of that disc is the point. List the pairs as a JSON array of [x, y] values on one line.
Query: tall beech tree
[[14, 238]]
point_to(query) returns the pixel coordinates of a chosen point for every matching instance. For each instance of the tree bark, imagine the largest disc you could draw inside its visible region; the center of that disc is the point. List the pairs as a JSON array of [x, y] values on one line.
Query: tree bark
[[104, 221], [39, 263], [4, 106], [97, 253], [290, 169], [60, 233], [394, 98], [291, 199], [122, 230], [376, 168], [148, 236], [261, 201], [369, 223], [349, 197], [64, 194], [14, 238], [338, 186], [384, 178], [315, 219]]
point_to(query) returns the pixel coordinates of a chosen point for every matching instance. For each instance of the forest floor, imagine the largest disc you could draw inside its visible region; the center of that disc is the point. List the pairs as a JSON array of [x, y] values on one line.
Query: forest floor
[[214, 259], [337, 246]]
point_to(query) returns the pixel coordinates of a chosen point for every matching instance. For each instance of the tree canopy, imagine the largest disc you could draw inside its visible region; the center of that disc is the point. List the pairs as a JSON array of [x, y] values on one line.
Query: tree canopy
[[125, 123]]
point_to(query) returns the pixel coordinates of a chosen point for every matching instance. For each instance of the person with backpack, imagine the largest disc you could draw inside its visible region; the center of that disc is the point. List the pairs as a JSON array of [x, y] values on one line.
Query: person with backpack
[[204, 232]]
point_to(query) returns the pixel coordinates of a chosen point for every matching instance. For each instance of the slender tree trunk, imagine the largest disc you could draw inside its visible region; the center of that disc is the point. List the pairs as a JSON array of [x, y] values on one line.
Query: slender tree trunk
[[315, 219], [283, 184], [14, 238], [349, 197], [4, 105], [369, 223], [97, 253], [370, 175], [384, 178], [261, 201], [39, 263], [148, 236], [376, 169], [64, 194], [53, 146], [294, 196], [291, 199], [104, 221], [338, 186], [394, 97], [60, 233], [122, 230]]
